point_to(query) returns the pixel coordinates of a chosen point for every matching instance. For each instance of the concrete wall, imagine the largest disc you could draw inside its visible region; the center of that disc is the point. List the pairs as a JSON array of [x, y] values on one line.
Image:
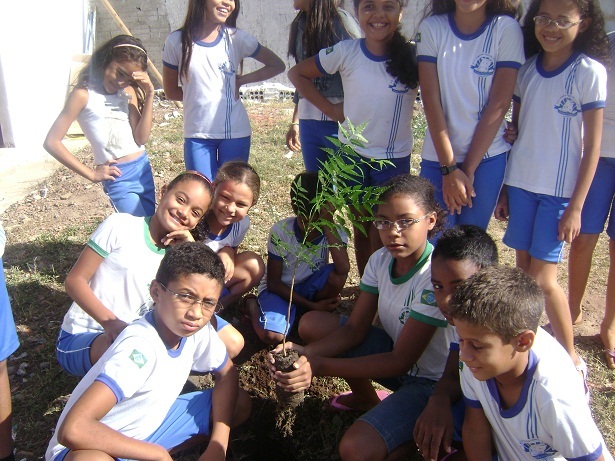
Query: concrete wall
[[35, 64], [268, 20]]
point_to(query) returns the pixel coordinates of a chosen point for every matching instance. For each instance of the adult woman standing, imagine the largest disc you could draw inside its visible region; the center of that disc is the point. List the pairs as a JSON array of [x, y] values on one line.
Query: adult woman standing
[[319, 24]]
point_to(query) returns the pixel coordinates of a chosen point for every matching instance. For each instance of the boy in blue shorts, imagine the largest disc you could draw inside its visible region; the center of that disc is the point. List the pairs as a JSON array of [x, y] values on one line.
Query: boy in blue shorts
[[128, 405], [317, 283], [460, 252], [8, 345], [521, 391]]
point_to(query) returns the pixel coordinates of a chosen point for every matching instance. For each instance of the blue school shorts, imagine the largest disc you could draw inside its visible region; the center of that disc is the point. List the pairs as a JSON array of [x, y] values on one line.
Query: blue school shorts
[[532, 224], [599, 202], [207, 155], [134, 191], [188, 417], [393, 418], [274, 308], [73, 350], [375, 176], [313, 137], [8, 335], [488, 179]]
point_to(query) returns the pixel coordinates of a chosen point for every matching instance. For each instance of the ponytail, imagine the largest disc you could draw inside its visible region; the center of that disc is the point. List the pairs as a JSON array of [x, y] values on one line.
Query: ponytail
[[402, 62]]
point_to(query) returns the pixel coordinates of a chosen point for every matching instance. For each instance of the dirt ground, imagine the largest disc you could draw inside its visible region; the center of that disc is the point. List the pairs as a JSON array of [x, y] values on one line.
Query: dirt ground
[[73, 202]]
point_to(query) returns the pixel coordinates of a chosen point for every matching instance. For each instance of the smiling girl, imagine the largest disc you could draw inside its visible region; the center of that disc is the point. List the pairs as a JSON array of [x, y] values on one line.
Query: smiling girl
[[202, 63], [113, 103], [380, 79], [109, 283], [558, 104]]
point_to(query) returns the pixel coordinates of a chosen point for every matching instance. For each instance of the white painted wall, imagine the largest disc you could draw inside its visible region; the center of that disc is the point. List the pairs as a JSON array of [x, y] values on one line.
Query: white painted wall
[[37, 41]]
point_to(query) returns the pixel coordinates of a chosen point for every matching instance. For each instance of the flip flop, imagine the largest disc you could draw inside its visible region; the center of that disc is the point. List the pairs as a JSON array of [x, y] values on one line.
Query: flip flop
[[609, 356], [452, 453], [336, 405]]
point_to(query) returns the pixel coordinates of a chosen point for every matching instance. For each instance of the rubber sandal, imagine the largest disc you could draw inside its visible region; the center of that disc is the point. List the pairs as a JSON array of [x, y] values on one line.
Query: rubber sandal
[[582, 368], [609, 356], [336, 405], [453, 452]]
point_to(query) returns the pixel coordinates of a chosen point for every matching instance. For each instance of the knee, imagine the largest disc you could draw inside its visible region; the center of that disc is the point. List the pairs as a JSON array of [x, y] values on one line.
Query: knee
[[243, 408], [270, 337], [234, 342], [353, 447]]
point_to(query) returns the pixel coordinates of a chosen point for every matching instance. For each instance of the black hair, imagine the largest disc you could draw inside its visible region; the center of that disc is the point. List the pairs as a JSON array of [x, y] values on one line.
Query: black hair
[[593, 41], [402, 63], [304, 188], [195, 16], [467, 242], [189, 258], [319, 30], [421, 191], [122, 48], [241, 172], [504, 300], [512, 8], [201, 230]]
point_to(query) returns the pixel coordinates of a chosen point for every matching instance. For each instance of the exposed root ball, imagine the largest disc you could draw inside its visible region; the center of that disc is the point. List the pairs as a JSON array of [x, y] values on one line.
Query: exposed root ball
[[287, 401]]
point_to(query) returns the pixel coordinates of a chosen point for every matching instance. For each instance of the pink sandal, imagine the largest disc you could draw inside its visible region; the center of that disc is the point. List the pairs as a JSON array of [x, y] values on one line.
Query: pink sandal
[[336, 405]]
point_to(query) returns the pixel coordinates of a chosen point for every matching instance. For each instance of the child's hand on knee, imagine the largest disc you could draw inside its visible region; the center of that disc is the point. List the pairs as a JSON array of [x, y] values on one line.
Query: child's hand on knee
[[327, 304]]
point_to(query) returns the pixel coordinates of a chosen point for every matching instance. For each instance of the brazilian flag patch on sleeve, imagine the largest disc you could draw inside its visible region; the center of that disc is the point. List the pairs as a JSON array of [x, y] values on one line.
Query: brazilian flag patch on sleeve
[[329, 50], [428, 297], [138, 358], [417, 37]]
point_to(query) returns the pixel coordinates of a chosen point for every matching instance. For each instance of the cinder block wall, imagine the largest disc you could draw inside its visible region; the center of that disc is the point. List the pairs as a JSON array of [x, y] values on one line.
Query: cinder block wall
[[268, 20]]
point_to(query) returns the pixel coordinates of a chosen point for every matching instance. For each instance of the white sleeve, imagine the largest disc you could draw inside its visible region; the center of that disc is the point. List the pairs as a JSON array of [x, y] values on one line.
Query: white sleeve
[[172, 50], [593, 85], [427, 42], [510, 47], [369, 281], [469, 385], [129, 367], [210, 353], [331, 60], [107, 237], [245, 44]]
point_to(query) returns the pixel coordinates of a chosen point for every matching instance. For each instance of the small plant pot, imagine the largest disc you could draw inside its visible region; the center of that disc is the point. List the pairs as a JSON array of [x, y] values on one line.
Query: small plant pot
[[287, 401]]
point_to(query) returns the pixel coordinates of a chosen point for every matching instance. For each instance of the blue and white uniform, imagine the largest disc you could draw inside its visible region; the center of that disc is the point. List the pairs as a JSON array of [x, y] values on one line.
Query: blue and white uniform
[[147, 378], [285, 245], [372, 95], [409, 296], [602, 190], [105, 123], [550, 420], [466, 66], [211, 111], [232, 236], [542, 170]]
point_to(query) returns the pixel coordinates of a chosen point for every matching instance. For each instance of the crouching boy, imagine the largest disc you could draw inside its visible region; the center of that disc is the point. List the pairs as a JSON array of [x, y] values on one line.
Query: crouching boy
[[528, 400], [128, 405]]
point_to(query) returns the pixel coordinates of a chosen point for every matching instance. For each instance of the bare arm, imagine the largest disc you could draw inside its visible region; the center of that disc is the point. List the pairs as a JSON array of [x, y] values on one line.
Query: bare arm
[[78, 288], [476, 435], [338, 252], [457, 188], [272, 66], [501, 211], [434, 428], [301, 76], [170, 83], [292, 135], [53, 144], [569, 225], [224, 398], [227, 256], [82, 429], [487, 128], [141, 122]]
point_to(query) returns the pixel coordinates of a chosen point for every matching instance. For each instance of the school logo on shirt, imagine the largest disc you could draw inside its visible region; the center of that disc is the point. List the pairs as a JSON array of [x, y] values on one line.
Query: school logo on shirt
[[397, 87], [329, 50], [227, 68], [428, 297], [538, 449], [403, 315], [483, 65], [138, 358], [567, 106]]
